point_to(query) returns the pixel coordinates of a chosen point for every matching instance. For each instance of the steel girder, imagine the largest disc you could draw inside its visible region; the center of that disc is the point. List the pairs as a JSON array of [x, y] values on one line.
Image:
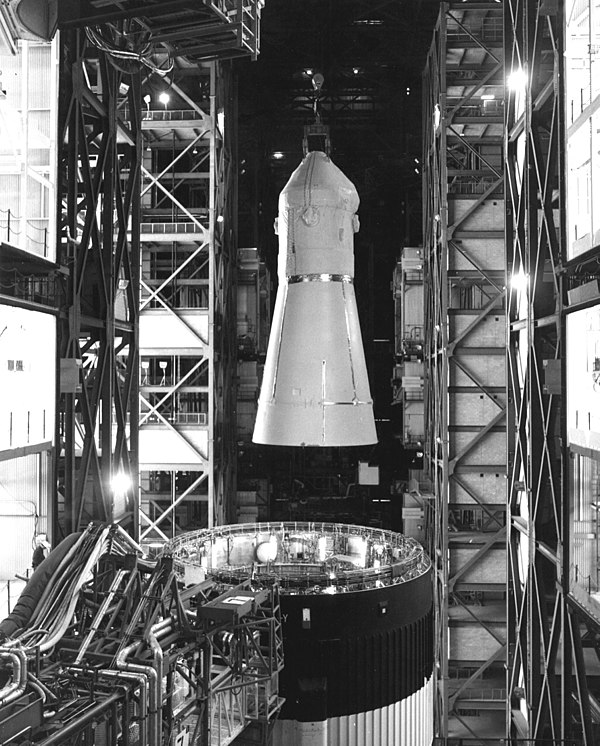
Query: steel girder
[[546, 676], [549, 673], [223, 309], [466, 375], [175, 290], [98, 188], [211, 29], [188, 287]]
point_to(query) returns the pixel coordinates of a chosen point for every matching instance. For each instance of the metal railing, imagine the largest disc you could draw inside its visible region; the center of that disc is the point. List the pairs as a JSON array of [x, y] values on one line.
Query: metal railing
[[389, 557], [495, 694], [490, 29], [178, 227], [33, 236], [180, 418], [168, 115], [516, 741], [32, 288]]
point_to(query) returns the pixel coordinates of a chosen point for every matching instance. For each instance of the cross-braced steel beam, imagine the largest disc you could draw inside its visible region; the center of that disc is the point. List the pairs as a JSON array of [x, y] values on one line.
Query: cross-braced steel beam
[[465, 396], [187, 311], [547, 678], [98, 189]]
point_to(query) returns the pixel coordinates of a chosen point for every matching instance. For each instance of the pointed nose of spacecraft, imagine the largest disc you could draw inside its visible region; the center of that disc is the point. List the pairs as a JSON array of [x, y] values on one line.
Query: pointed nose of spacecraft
[[315, 388]]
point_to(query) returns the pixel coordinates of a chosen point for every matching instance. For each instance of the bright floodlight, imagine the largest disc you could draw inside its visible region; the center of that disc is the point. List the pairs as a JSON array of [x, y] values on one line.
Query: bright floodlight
[[517, 80], [519, 281], [120, 483], [164, 98]]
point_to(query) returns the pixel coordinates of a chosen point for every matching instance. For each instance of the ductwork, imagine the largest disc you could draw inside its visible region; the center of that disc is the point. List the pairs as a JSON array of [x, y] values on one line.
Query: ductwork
[[19, 678]]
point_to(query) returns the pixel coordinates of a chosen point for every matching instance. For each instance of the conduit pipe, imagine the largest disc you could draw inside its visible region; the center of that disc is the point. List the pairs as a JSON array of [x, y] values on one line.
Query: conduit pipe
[[19, 678], [70, 608], [60, 560], [141, 681], [153, 690], [61, 736], [41, 689], [120, 531], [158, 657]]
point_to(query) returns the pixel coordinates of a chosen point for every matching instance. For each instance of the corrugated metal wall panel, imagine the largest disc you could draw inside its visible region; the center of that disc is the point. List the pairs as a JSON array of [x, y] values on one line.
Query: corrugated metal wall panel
[[24, 491], [29, 78], [17, 528], [45, 493], [19, 477], [10, 184], [40, 72]]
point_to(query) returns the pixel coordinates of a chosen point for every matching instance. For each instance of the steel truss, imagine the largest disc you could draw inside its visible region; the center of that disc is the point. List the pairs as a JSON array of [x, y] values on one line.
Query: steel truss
[[549, 670], [465, 365], [209, 30], [114, 652], [98, 192], [100, 124], [223, 308], [188, 280]]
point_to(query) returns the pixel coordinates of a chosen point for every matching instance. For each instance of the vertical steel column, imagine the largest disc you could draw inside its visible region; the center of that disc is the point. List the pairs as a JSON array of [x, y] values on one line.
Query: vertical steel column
[[465, 308], [435, 210], [540, 651], [98, 188], [223, 317]]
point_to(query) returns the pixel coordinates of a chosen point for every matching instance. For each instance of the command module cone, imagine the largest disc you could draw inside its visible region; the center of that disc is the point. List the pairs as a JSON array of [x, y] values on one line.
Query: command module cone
[[315, 389]]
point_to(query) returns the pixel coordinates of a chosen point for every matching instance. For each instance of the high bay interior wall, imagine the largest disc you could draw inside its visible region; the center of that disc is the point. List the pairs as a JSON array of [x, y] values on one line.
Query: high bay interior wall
[[510, 239]]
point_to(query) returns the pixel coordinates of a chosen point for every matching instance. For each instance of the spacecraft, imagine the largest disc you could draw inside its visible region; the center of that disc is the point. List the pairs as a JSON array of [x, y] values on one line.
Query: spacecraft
[[315, 389], [356, 624]]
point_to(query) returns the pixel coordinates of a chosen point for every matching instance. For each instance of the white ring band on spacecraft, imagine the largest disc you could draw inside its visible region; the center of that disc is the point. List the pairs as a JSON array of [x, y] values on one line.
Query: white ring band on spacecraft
[[319, 278]]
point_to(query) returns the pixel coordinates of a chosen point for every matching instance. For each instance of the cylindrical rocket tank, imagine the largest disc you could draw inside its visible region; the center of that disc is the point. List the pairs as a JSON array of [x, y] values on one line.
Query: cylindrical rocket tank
[[357, 626], [315, 388]]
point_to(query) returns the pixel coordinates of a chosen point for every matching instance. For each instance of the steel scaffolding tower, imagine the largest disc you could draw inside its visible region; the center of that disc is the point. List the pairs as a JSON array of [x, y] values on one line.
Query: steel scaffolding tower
[[553, 617], [187, 315], [539, 656], [98, 198], [465, 364], [100, 125]]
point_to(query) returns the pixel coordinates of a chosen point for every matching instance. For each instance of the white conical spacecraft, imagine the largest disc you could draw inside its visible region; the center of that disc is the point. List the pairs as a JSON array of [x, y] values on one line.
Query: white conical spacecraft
[[315, 389]]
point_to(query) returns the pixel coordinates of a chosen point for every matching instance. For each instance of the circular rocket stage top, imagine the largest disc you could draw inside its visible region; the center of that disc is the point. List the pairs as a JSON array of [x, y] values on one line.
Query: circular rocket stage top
[[304, 558]]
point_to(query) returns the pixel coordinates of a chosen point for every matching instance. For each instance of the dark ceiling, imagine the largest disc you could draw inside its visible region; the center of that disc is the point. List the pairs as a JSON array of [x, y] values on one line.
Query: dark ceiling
[[371, 54]]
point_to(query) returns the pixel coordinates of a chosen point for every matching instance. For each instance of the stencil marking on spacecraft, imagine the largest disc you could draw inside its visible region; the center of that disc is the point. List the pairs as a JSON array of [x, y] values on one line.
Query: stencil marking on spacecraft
[[315, 388]]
